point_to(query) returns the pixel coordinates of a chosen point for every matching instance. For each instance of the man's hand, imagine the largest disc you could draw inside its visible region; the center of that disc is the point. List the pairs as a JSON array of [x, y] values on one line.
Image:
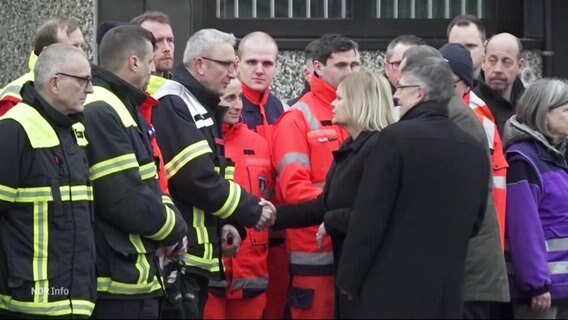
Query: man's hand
[[320, 234], [173, 252], [268, 216], [542, 302], [230, 240]]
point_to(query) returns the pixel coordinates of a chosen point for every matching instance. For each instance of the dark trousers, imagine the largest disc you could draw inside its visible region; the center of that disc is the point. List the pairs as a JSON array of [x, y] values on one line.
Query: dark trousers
[[126, 309], [203, 283], [486, 310]]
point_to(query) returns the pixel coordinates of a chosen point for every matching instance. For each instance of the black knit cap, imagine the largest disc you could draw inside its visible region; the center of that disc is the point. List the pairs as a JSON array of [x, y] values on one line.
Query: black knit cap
[[459, 60], [105, 26]]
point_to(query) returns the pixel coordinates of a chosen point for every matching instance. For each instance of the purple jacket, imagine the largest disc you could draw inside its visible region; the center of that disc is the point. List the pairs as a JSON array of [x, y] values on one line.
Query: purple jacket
[[537, 214]]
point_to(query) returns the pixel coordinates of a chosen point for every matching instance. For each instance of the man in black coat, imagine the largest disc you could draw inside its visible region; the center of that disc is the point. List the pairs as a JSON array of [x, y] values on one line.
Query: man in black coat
[[421, 199]]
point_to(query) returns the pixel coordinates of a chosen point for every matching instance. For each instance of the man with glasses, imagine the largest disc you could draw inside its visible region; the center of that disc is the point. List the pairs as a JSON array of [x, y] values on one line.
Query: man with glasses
[[134, 219], [46, 209], [188, 124], [55, 30], [424, 189], [393, 57]]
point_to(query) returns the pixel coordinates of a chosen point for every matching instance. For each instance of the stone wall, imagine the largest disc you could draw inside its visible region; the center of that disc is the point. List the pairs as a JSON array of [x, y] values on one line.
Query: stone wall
[[20, 19], [288, 82]]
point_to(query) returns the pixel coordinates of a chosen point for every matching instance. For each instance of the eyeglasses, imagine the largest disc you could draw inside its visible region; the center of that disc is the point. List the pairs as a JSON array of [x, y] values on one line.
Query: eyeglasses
[[227, 64], [83, 81], [400, 87], [395, 64]]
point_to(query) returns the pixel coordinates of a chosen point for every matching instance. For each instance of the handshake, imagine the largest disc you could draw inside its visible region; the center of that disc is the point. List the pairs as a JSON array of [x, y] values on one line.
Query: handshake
[[268, 216]]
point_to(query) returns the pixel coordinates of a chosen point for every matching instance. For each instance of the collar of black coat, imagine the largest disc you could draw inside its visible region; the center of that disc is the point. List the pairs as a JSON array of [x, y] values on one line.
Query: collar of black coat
[[208, 99], [31, 97], [427, 109], [486, 91], [355, 145], [122, 89]]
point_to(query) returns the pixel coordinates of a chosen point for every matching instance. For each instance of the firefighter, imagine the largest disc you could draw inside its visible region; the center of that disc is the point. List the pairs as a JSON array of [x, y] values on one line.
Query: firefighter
[[134, 218], [47, 253], [188, 129]]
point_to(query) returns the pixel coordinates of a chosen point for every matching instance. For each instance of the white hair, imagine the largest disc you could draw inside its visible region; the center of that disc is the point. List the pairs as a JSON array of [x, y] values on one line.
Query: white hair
[[201, 42], [53, 59]]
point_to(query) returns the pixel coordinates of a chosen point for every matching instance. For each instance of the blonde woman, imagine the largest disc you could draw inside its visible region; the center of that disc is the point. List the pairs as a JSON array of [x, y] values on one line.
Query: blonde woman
[[363, 107]]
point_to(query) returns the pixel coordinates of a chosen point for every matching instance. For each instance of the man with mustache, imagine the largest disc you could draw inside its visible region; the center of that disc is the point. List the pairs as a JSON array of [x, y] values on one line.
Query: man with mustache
[[159, 24], [500, 87]]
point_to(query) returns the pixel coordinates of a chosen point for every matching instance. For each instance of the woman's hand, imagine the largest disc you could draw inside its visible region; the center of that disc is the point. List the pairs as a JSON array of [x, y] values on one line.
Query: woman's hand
[[320, 234], [541, 302]]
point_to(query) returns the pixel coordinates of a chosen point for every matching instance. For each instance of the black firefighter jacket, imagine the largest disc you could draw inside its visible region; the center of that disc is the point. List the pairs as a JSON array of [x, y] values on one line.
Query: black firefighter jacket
[[132, 217], [191, 141]]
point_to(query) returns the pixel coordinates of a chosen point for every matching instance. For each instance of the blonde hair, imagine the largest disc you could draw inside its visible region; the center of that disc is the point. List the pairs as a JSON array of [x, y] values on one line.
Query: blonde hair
[[369, 100]]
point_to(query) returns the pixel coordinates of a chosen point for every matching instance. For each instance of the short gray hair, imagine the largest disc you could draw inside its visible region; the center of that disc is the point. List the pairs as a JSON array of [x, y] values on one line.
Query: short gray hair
[[53, 59], [542, 96], [435, 75], [201, 42]]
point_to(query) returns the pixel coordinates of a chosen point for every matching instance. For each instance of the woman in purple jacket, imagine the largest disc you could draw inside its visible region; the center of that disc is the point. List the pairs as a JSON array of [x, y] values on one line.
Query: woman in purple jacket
[[537, 202]]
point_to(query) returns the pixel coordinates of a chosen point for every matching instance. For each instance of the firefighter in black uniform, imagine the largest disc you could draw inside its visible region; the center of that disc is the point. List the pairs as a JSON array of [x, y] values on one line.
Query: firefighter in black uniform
[[133, 218], [188, 129], [47, 251]]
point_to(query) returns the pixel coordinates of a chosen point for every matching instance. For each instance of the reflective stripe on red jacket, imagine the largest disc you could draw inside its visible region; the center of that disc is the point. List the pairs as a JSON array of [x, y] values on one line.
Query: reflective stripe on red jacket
[[247, 272], [303, 141], [499, 164]]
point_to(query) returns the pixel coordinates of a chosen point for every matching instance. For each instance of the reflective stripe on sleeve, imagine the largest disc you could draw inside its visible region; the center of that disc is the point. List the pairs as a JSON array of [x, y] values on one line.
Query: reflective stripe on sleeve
[[293, 158], [113, 165], [167, 227], [186, 155], [231, 202]]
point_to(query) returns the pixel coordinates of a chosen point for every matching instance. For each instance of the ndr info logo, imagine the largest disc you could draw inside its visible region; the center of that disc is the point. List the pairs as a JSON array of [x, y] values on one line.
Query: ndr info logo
[[50, 291]]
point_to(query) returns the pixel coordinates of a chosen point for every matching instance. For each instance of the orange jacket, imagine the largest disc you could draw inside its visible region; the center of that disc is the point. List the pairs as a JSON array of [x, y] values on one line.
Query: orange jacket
[[499, 164], [247, 273], [304, 139]]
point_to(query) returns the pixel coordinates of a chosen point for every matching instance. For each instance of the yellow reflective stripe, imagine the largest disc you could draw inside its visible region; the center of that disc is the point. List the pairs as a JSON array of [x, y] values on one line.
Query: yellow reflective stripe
[[199, 226], [13, 88], [113, 165], [186, 155], [154, 84], [231, 203], [40, 242], [167, 200], [105, 284], [103, 94], [167, 227], [211, 265], [230, 173], [77, 193], [38, 130], [55, 308], [44, 194], [141, 262], [41, 292], [148, 171], [8, 194]]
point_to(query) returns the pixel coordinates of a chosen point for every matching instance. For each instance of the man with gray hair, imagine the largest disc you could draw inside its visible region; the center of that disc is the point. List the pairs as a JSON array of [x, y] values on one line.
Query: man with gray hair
[[55, 30], [199, 175], [405, 209], [48, 254]]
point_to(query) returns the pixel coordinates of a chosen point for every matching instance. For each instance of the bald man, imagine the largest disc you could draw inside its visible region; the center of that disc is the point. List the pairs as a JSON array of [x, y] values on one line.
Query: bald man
[[258, 60], [501, 86]]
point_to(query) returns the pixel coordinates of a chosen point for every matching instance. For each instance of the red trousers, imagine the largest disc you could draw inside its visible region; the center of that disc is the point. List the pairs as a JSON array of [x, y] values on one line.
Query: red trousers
[[278, 282], [218, 307], [312, 297]]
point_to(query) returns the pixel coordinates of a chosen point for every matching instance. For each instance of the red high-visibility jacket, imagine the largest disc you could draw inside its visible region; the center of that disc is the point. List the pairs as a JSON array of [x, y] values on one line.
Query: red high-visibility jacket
[[247, 273], [304, 139], [499, 164]]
